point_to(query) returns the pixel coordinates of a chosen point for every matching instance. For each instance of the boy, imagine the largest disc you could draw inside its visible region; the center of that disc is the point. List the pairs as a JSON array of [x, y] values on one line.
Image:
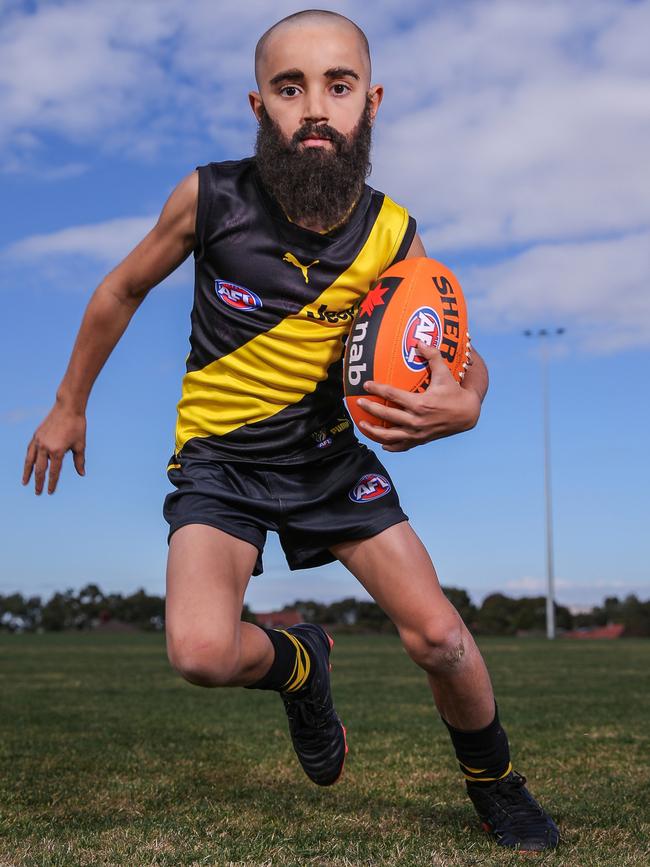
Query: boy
[[263, 441]]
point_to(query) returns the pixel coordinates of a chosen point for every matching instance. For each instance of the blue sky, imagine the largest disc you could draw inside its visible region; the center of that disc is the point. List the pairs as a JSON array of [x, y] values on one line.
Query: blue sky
[[518, 135]]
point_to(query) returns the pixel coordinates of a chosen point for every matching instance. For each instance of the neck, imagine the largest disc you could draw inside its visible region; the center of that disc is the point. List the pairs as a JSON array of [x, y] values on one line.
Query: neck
[[312, 226], [317, 226]]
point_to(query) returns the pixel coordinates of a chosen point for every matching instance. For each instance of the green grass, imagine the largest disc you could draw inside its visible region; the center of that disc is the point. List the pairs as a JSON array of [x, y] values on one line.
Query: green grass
[[108, 757]]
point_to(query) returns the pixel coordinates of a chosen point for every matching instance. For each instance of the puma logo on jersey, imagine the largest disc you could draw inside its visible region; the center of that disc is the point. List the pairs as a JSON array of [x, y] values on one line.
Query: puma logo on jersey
[[291, 259]]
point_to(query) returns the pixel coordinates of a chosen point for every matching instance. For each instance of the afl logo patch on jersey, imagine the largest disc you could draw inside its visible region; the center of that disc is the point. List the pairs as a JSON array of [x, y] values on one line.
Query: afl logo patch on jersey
[[423, 325], [237, 296], [370, 487]]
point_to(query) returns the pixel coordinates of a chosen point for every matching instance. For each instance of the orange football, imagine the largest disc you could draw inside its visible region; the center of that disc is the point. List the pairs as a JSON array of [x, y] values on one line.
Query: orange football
[[416, 299]]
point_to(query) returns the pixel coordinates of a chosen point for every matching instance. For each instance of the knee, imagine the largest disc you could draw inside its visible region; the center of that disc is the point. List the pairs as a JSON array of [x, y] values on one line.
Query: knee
[[207, 662], [438, 646]]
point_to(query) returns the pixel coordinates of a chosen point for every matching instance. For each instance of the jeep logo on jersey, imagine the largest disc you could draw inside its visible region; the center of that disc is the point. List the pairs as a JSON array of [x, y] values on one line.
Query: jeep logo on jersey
[[236, 296], [423, 325], [370, 487]]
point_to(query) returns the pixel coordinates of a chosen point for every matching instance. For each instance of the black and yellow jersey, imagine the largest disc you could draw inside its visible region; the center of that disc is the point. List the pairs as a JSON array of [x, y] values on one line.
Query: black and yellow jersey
[[273, 304]]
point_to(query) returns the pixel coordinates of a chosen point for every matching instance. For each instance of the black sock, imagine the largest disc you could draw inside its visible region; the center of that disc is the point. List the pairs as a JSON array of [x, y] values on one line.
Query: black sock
[[483, 755], [290, 668]]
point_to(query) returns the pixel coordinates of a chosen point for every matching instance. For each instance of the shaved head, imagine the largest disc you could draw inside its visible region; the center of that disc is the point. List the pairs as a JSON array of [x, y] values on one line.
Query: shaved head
[[312, 17], [315, 108]]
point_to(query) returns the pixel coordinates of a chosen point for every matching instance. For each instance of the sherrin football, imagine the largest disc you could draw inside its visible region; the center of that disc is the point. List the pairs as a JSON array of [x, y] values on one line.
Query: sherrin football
[[415, 299]]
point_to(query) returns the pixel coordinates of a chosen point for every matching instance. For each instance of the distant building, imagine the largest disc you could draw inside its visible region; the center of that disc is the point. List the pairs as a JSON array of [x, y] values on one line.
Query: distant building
[[113, 625], [13, 622], [278, 619], [612, 630], [581, 609]]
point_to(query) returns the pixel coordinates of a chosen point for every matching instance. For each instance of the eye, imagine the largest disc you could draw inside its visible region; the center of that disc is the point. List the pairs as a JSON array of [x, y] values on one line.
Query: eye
[[289, 90], [339, 88]]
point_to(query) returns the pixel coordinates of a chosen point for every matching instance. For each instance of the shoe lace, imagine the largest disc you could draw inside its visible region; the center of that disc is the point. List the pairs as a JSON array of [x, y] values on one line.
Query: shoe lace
[[308, 711], [512, 801]]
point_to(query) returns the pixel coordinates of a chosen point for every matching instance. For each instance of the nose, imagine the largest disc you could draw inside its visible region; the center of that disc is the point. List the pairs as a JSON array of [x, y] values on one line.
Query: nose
[[314, 108]]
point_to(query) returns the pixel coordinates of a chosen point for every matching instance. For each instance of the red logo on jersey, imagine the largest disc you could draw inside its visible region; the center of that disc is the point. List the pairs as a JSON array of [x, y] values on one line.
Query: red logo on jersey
[[237, 296], [370, 487]]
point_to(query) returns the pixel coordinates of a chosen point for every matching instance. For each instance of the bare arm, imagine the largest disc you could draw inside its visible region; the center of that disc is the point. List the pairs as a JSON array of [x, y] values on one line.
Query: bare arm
[[107, 315], [444, 409]]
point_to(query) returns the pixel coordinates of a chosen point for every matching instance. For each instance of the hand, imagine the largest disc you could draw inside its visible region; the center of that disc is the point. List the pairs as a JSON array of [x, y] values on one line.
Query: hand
[[443, 409], [61, 431]]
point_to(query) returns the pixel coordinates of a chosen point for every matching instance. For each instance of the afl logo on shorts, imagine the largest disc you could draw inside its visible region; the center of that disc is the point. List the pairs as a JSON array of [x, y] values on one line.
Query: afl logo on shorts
[[370, 487], [423, 325], [236, 296]]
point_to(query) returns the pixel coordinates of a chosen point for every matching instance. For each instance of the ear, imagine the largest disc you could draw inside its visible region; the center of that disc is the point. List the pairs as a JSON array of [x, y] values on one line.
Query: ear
[[256, 103], [375, 94]]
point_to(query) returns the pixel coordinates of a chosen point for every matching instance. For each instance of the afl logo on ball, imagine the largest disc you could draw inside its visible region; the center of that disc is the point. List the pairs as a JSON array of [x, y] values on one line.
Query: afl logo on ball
[[370, 487], [423, 325], [236, 296]]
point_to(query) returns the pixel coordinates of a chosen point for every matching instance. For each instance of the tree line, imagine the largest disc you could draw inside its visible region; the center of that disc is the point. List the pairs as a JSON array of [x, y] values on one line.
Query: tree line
[[498, 614]]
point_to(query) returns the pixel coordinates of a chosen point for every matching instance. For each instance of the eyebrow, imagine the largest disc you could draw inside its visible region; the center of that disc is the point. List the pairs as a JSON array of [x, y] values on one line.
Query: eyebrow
[[298, 75]]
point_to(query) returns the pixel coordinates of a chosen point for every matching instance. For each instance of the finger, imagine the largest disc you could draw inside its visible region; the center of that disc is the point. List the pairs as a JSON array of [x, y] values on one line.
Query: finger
[[79, 460], [55, 471], [29, 462], [384, 435], [40, 470], [399, 447], [440, 373], [399, 396], [397, 417]]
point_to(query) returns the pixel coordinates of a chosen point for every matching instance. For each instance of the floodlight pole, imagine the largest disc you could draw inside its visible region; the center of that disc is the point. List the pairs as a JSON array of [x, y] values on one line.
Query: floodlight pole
[[544, 333]]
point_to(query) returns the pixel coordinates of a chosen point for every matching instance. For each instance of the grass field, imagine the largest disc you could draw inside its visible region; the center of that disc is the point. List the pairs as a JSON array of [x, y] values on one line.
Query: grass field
[[108, 757]]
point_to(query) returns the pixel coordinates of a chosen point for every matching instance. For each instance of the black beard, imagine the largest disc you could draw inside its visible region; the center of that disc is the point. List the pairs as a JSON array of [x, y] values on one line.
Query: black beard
[[314, 185]]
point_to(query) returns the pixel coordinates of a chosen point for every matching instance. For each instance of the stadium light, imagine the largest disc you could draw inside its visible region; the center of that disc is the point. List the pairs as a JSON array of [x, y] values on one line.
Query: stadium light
[[545, 333]]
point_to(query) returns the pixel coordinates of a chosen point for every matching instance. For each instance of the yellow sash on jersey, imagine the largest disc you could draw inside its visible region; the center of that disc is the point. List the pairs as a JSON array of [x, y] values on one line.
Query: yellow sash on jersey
[[279, 367]]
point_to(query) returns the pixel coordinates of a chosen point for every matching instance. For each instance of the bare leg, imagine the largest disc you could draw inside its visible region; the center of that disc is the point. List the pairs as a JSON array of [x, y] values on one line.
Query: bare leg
[[207, 643], [396, 570]]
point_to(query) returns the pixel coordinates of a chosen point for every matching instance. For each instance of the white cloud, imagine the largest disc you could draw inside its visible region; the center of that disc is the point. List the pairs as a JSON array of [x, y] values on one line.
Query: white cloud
[[77, 257], [277, 586], [73, 68], [600, 290], [574, 593], [527, 126], [20, 414], [18, 163], [506, 126], [106, 242], [532, 585], [63, 172], [129, 77], [527, 584], [518, 122]]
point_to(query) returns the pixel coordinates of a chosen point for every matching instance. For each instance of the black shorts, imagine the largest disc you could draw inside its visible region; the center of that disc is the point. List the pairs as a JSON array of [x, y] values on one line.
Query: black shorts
[[346, 495]]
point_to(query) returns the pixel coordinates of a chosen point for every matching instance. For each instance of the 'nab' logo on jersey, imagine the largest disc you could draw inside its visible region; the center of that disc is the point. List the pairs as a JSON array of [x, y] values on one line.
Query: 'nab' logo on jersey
[[236, 296], [370, 487], [423, 325]]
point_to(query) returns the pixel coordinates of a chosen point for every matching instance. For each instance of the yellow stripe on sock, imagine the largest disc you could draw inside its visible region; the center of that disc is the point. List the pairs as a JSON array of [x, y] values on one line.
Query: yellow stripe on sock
[[301, 667], [487, 779], [294, 671], [474, 770]]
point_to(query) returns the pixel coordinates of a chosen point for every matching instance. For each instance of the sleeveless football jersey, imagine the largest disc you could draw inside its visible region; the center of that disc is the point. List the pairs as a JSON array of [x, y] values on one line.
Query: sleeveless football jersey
[[273, 304]]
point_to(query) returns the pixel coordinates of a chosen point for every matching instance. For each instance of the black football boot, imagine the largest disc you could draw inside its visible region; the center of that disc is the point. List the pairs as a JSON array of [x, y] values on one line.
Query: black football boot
[[317, 733], [512, 816]]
